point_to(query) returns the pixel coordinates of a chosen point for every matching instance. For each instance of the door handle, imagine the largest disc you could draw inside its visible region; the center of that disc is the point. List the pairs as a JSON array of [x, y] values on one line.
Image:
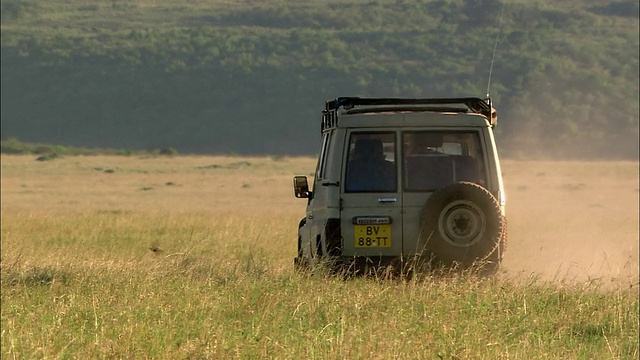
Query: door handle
[[329, 183], [387, 200]]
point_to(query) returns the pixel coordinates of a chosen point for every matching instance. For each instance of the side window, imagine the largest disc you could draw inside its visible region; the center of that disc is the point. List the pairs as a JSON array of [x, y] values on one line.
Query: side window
[[371, 163], [433, 160], [322, 160]]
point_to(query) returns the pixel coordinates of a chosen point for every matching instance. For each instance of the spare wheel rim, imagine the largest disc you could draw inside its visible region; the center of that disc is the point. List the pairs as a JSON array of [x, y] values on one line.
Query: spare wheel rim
[[462, 223]]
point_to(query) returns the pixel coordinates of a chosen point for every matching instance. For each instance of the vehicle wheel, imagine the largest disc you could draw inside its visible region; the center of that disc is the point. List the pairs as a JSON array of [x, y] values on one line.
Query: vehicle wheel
[[300, 262], [462, 226]]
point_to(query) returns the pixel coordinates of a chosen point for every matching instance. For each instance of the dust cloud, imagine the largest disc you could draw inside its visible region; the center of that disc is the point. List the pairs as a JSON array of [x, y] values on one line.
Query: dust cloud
[[572, 221]]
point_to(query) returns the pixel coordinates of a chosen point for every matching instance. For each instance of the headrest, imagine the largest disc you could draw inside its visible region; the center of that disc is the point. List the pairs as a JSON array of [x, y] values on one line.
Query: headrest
[[372, 147], [432, 140]]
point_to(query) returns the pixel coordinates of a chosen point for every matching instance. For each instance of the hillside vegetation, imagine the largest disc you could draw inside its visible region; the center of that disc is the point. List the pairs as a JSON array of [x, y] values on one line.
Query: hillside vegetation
[[215, 76]]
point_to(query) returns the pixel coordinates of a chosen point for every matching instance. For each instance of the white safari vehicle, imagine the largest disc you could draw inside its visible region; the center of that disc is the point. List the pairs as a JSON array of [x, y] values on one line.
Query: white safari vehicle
[[400, 180]]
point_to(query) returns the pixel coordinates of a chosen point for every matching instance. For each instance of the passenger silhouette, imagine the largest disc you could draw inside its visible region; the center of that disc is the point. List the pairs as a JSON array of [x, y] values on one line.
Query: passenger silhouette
[[368, 170]]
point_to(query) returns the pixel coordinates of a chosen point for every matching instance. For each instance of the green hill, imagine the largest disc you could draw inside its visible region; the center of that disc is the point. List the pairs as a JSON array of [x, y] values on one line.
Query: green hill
[[210, 76]]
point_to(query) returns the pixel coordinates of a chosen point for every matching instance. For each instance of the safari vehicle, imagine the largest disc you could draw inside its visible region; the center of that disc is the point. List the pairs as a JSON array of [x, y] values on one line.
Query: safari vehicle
[[399, 180]]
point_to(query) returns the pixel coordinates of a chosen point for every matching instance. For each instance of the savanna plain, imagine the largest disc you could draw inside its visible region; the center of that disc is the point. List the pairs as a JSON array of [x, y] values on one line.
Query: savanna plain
[[192, 257]]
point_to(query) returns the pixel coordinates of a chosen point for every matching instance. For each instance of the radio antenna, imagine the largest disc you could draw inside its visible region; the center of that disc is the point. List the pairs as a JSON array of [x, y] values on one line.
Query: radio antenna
[[495, 47]]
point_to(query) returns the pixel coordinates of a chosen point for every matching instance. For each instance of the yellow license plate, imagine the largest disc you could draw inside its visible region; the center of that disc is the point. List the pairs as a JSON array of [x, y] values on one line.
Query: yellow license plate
[[373, 236]]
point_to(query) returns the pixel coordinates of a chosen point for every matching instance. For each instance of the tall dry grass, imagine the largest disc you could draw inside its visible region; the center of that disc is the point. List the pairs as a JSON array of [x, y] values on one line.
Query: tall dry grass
[[191, 257]]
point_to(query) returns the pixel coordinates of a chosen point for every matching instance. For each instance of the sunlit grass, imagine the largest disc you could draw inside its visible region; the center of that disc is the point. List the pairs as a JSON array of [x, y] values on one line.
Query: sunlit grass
[[159, 285], [159, 274]]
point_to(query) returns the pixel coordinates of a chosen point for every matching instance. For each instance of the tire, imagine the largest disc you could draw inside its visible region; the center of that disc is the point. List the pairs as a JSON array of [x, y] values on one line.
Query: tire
[[462, 227], [300, 262]]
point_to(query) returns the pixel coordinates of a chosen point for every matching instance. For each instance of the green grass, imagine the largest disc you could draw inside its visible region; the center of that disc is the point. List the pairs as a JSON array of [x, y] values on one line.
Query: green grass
[[89, 286], [92, 266]]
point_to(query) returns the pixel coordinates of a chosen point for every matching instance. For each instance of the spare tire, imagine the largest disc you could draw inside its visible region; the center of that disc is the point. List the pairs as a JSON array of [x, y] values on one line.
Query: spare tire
[[462, 226]]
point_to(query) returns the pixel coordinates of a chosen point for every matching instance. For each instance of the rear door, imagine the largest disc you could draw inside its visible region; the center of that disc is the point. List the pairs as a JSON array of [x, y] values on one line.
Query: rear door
[[371, 201], [432, 160]]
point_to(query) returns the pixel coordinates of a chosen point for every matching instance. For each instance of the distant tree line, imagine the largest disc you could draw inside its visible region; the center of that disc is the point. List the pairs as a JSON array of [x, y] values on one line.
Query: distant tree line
[[251, 78]]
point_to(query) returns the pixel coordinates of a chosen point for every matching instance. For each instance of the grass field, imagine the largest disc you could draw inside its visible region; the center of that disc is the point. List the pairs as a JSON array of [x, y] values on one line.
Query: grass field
[[191, 257]]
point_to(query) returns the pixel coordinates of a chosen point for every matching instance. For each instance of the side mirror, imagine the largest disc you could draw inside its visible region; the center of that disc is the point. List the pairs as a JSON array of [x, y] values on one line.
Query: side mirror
[[301, 187]]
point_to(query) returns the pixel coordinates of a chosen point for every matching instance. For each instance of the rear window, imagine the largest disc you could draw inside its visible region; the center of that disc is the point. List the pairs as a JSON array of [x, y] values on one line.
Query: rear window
[[371, 163], [433, 160]]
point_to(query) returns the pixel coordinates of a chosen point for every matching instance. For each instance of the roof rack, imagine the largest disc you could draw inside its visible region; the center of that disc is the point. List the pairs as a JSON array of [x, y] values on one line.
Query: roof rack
[[473, 104], [459, 109]]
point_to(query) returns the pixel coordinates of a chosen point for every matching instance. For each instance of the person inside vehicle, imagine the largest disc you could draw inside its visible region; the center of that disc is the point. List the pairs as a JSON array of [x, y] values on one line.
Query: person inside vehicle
[[367, 170]]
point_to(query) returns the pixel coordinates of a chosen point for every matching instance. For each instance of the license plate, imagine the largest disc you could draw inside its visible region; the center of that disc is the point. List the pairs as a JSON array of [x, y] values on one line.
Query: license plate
[[373, 236]]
